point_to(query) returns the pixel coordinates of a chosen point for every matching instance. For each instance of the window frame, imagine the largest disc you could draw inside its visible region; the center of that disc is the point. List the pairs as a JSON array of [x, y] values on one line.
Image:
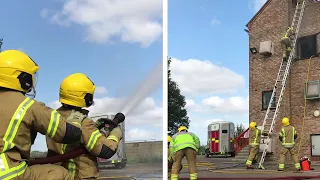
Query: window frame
[[262, 96], [314, 82], [298, 46]]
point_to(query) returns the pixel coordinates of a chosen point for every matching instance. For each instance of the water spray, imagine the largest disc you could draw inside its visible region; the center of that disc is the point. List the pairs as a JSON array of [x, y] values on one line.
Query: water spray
[[147, 86]]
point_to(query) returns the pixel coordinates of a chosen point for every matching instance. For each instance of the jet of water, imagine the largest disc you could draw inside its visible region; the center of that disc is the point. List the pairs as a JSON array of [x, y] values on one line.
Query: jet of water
[[147, 86]]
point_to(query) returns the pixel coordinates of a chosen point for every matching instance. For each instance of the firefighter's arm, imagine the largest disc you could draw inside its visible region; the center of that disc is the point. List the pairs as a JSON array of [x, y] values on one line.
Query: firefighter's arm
[[171, 147], [96, 143], [50, 123], [197, 141], [280, 136], [295, 134]]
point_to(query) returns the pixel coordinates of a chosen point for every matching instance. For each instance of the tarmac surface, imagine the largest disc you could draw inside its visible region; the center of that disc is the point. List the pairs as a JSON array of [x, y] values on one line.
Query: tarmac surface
[[133, 171], [225, 168]]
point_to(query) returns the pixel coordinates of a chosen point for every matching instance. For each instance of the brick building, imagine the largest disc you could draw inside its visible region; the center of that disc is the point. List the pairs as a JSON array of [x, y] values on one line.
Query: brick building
[[269, 24]]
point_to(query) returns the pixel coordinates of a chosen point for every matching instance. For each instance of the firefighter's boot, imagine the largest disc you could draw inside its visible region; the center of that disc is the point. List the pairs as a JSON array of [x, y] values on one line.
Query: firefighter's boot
[[250, 167], [297, 171]]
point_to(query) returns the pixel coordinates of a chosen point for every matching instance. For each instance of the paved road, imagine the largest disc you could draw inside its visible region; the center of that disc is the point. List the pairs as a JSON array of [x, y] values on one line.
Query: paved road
[[133, 171], [226, 168]]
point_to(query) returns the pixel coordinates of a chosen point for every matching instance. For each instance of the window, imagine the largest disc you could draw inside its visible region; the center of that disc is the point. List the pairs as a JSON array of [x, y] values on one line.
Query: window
[[306, 46], [224, 131], [266, 96], [312, 90], [315, 146]]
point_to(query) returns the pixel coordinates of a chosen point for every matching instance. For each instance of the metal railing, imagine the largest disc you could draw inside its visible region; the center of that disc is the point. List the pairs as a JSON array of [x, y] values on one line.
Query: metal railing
[[241, 141]]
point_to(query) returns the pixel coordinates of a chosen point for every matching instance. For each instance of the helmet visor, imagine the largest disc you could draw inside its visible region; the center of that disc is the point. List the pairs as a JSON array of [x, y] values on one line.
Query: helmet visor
[[35, 79]]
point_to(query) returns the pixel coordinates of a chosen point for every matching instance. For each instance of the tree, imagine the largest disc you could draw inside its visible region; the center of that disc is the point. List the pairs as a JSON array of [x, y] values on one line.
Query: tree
[[177, 113], [1, 42], [239, 129]]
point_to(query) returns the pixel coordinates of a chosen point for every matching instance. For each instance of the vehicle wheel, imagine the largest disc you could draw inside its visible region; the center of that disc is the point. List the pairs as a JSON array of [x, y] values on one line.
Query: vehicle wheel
[[207, 155], [233, 154], [124, 164], [118, 165]]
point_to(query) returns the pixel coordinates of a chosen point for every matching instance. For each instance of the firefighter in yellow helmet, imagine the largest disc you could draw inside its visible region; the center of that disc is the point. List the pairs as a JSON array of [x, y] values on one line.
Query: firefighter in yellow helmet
[[76, 93], [254, 143], [287, 136], [286, 43], [22, 117], [170, 160], [187, 144]]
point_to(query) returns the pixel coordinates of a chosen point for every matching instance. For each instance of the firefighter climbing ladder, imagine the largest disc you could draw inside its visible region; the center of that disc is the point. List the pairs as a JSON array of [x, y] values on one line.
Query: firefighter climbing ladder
[[275, 100]]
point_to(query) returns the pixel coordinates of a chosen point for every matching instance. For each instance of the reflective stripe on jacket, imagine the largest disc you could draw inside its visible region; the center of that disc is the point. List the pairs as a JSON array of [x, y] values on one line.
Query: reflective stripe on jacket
[[255, 136], [287, 133]]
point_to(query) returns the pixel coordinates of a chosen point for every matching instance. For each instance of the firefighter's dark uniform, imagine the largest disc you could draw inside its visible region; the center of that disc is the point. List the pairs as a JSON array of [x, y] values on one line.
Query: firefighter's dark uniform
[[254, 143], [21, 116], [184, 144], [286, 43], [84, 166], [287, 137]]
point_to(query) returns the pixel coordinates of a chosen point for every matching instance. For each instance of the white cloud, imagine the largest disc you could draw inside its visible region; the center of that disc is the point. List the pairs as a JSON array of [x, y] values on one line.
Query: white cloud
[[215, 21], [255, 5], [143, 123], [229, 105], [134, 21], [211, 94], [192, 106], [196, 77], [101, 90]]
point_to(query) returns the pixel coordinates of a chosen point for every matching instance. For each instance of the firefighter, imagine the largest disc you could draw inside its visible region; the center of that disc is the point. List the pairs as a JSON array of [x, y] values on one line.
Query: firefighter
[[286, 43], [287, 136], [187, 144], [170, 160], [76, 93], [22, 117], [254, 143]]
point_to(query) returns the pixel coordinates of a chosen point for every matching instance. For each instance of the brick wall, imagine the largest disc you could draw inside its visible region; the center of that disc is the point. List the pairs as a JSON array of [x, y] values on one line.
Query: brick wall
[[271, 25]]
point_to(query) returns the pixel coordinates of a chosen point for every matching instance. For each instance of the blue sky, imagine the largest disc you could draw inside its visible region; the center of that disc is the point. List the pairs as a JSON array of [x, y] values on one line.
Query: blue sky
[[65, 40], [209, 47]]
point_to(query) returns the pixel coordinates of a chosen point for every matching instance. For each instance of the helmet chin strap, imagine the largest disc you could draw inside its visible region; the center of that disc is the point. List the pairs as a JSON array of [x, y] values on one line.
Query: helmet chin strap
[[30, 94]]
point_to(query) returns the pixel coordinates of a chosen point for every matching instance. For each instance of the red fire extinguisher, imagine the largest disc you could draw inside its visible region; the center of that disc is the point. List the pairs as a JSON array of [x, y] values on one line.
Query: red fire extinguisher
[[305, 164]]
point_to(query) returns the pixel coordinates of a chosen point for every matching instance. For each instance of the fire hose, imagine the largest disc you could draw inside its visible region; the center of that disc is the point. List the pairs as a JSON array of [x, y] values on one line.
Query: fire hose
[[106, 129], [264, 178]]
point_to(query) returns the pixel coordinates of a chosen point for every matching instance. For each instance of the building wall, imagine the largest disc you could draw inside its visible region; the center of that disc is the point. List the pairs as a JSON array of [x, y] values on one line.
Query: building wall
[[144, 150], [271, 25]]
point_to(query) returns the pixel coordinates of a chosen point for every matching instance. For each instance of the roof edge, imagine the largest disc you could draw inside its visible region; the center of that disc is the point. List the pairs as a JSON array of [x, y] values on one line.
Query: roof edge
[[259, 12]]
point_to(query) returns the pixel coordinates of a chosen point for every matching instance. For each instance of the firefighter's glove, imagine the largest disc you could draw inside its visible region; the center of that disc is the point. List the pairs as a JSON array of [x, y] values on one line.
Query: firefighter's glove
[[115, 134], [76, 118], [100, 123]]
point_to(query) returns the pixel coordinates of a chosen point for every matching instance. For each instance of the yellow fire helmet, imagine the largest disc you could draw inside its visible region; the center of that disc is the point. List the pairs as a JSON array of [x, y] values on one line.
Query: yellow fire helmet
[[17, 71], [285, 121], [253, 125], [169, 139], [77, 90], [181, 128]]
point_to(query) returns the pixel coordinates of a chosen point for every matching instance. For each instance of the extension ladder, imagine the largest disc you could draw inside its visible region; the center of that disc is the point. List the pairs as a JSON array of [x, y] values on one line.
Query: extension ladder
[[275, 100]]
